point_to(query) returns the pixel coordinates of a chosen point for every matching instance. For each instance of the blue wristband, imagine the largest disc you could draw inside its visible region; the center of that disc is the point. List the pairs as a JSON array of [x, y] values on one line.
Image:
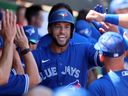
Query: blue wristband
[[113, 19]]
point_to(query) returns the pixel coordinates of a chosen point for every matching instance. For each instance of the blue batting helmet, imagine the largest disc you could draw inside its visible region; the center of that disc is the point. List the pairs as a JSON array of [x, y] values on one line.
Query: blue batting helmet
[[62, 15], [111, 44]]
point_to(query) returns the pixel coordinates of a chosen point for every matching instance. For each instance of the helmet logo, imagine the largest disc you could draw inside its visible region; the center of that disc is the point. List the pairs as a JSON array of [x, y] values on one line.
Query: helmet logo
[[63, 14]]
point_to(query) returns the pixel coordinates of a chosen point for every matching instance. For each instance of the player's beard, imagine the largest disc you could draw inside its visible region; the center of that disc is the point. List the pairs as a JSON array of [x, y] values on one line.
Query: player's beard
[[57, 42]]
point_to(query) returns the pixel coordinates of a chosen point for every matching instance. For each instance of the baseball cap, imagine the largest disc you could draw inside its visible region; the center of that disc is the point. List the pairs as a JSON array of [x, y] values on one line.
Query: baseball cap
[[31, 33], [83, 27], [118, 4], [111, 44]]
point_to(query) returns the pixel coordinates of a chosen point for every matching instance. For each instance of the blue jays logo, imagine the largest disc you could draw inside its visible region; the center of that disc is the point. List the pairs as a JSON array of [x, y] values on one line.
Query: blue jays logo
[[30, 31], [63, 14], [74, 84]]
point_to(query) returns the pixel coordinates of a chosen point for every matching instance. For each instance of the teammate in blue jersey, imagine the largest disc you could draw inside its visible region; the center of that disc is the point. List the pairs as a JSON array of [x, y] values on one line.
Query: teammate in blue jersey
[[47, 39], [62, 63], [32, 35], [111, 49], [85, 28], [15, 84]]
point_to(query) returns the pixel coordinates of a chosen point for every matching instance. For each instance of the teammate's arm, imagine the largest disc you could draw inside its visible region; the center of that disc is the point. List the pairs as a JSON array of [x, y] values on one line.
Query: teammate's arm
[[17, 64], [120, 19], [30, 64], [8, 32]]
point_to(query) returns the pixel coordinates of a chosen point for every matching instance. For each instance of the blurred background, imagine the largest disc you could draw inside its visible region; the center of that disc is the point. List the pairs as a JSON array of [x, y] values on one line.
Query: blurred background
[[46, 4]]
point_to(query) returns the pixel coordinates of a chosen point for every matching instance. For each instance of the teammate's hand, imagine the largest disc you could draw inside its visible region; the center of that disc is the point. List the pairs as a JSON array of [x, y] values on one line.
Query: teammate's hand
[[108, 27], [8, 25], [21, 39], [93, 15]]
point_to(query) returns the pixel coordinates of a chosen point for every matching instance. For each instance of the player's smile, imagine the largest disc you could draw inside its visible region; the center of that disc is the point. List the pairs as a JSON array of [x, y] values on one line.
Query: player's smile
[[61, 33], [62, 38]]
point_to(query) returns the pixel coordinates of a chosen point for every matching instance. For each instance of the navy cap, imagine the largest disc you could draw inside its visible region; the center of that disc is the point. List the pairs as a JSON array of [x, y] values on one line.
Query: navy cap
[[111, 44], [61, 15], [83, 27], [118, 4], [31, 33]]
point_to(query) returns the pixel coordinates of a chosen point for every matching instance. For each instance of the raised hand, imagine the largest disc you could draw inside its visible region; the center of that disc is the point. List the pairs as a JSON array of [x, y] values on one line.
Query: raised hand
[[8, 25], [21, 39]]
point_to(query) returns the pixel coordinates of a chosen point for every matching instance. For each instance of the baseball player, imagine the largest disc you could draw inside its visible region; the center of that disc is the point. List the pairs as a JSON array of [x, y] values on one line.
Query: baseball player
[[76, 38], [32, 35], [12, 84], [62, 62], [111, 52], [85, 28]]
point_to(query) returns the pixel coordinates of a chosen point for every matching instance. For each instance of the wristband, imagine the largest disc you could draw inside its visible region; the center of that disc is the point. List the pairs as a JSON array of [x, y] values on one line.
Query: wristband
[[25, 51], [113, 19]]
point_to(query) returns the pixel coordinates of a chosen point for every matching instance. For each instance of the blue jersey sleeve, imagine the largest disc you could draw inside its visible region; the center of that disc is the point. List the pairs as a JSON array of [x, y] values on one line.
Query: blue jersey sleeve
[[17, 85], [44, 41], [37, 56]]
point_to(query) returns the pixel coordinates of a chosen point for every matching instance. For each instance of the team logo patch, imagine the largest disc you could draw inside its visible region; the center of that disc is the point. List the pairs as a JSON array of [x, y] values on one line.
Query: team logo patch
[[74, 84]]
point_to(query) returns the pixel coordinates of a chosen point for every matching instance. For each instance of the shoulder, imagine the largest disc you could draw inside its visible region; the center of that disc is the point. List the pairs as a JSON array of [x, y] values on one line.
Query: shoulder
[[44, 41], [77, 38], [100, 84]]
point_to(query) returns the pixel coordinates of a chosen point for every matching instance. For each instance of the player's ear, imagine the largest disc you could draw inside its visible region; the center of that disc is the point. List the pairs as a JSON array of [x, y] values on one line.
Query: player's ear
[[101, 57]]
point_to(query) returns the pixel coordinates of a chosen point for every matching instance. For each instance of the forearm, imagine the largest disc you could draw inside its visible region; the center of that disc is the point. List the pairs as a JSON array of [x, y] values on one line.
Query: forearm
[[6, 61], [123, 20], [19, 68], [31, 69], [17, 64]]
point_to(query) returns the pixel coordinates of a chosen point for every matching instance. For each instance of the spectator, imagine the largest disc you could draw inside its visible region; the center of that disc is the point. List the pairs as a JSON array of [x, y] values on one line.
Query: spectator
[[20, 13]]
